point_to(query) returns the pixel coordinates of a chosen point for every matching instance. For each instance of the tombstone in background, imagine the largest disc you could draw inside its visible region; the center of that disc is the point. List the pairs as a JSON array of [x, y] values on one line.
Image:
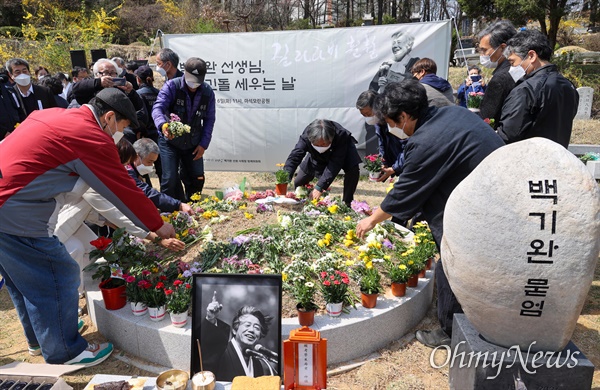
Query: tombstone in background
[[586, 96], [521, 241]]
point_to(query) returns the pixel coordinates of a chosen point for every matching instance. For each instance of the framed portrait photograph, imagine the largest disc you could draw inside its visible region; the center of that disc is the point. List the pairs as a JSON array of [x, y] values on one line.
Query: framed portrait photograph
[[237, 319]]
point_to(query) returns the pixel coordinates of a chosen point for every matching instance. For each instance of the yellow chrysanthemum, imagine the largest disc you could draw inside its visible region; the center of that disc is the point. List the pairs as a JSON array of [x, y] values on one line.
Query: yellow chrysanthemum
[[196, 197], [284, 276], [333, 209], [402, 266], [248, 215], [320, 243]]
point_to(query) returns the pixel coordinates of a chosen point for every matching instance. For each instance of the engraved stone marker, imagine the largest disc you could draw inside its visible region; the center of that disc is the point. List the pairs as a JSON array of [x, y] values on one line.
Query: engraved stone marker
[[586, 96], [521, 240]]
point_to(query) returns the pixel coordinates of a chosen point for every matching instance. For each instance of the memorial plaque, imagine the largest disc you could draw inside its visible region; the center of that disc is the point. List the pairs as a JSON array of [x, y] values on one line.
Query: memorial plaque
[[586, 96], [521, 241]]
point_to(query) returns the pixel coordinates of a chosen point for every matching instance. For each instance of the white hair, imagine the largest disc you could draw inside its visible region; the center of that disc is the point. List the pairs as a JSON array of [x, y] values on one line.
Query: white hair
[[103, 60]]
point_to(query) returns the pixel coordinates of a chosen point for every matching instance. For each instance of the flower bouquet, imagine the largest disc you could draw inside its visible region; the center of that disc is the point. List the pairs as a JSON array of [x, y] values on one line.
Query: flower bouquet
[[175, 128], [373, 163], [474, 99]]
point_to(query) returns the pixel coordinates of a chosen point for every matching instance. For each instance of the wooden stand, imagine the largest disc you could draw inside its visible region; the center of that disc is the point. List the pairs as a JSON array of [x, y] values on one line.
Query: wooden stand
[[305, 360]]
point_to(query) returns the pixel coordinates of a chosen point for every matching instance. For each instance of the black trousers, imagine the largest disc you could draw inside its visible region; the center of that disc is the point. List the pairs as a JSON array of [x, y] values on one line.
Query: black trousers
[[351, 175], [447, 303]]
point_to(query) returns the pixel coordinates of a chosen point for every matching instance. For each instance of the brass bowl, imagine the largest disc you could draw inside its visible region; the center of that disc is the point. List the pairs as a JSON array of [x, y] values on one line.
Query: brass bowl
[[182, 376], [206, 383]]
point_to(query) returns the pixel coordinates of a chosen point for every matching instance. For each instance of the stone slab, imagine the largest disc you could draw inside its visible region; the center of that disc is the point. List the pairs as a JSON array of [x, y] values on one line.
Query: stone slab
[[350, 336], [586, 96], [501, 368], [594, 168]]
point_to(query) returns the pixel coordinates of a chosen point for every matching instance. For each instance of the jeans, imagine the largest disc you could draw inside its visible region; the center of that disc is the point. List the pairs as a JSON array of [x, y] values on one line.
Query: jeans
[[170, 183], [42, 281]]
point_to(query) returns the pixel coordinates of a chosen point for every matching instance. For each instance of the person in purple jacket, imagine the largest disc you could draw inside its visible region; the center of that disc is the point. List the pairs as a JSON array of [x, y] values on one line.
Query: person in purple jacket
[[193, 101]]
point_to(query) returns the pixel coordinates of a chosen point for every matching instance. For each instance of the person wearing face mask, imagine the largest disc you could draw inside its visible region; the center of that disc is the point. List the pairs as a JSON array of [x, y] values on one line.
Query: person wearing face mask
[[28, 97], [330, 149], [444, 146], [193, 101], [391, 141], [143, 164], [543, 102], [71, 147], [167, 64], [473, 83], [492, 42]]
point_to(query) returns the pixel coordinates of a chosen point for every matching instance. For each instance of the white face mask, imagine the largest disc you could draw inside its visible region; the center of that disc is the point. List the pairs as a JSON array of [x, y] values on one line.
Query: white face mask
[[398, 132], [161, 71], [117, 135], [371, 120], [192, 85], [517, 72], [23, 80], [145, 169], [486, 61], [321, 149]]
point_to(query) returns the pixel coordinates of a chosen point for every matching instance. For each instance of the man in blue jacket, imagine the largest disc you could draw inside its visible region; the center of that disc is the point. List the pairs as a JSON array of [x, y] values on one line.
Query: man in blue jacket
[[193, 101]]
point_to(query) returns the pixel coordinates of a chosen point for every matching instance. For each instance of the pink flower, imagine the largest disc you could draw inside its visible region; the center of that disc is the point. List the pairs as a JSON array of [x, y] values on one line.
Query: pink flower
[[336, 282], [323, 274], [327, 283], [130, 279], [160, 285], [146, 272], [168, 292], [177, 282]]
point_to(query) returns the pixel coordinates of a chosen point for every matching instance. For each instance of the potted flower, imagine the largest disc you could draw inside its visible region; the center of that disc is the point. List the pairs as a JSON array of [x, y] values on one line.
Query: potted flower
[[370, 285], [135, 291], [303, 292], [179, 297], [334, 287], [156, 299], [398, 274], [373, 163], [282, 178], [474, 101]]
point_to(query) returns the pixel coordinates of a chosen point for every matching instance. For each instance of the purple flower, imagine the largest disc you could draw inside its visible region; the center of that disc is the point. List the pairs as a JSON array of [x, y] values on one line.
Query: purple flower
[[175, 118], [240, 240], [313, 213], [360, 207], [187, 273], [388, 244]]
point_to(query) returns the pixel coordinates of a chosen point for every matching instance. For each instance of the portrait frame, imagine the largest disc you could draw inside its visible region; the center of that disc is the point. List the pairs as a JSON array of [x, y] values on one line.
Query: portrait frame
[[232, 292]]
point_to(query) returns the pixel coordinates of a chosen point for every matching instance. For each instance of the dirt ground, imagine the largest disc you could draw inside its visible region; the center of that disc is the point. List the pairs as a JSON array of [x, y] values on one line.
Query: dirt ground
[[403, 365]]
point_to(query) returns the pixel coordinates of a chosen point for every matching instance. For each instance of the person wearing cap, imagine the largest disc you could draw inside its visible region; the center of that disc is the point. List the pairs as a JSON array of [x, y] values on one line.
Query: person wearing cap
[[193, 101], [38, 174]]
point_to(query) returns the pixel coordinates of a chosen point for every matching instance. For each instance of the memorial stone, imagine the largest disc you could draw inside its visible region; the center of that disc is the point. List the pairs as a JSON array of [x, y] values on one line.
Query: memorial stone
[[586, 96], [521, 241]]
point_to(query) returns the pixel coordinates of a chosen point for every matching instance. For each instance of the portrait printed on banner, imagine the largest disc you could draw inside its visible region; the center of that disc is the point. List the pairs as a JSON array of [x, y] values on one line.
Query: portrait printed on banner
[[237, 319], [399, 66]]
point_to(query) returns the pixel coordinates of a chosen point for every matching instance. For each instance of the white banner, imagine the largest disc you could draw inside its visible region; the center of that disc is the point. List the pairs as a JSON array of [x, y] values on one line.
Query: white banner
[[270, 85]]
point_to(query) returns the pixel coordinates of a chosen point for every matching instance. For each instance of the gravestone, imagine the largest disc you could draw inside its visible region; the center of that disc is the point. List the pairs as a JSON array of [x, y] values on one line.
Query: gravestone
[[521, 241], [586, 96]]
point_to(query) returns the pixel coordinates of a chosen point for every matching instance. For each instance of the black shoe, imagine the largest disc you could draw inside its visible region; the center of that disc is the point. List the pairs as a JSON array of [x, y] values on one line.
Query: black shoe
[[433, 338]]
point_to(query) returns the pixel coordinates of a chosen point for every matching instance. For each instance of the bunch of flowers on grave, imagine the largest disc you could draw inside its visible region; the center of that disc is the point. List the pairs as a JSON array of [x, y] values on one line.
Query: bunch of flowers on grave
[[373, 163], [186, 227], [155, 290], [235, 265], [175, 128], [111, 256], [281, 175], [361, 207], [137, 286], [178, 296], [302, 192], [326, 205], [397, 271], [474, 99], [412, 260], [299, 283], [424, 240]]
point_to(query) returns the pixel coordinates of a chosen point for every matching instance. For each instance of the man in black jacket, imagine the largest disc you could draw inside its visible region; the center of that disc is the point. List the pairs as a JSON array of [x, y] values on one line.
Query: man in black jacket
[[444, 146], [330, 149], [492, 42], [29, 97], [543, 103]]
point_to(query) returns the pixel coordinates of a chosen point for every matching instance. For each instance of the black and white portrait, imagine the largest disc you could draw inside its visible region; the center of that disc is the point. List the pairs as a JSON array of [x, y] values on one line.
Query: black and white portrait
[[399, 66], [237, 319]]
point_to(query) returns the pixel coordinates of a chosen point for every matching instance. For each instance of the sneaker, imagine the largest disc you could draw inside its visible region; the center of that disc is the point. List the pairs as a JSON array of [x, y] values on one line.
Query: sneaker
[[433, 338], [93, 354], [80, 325], [1, 282], [34, 350]]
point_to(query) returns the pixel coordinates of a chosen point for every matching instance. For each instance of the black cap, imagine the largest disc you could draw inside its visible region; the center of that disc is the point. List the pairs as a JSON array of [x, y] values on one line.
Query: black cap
[[143, 72], [195, 70], [119, 102]]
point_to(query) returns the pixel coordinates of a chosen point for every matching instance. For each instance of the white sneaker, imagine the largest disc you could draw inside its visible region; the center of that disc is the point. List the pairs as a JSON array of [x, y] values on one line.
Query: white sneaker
[[93, 354], [34, 350]]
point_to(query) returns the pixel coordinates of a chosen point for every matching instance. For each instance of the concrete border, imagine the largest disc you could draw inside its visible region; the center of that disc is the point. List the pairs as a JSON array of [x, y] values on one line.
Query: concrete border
[[349, 336]]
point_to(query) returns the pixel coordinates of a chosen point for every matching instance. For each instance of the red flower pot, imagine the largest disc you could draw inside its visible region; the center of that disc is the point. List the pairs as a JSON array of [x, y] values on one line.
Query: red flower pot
[[114, 298], [422, 273], [305, 317], [398, 289], [368, 301], [413, 280], [428, 263], [281, 189]]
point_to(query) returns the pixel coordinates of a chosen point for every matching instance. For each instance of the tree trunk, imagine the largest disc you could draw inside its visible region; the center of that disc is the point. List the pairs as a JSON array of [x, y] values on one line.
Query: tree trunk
[[379, 12], [306, 9]]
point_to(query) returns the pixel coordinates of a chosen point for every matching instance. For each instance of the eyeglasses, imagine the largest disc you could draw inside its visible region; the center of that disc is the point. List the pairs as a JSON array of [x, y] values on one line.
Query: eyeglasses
[[107, 73]]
